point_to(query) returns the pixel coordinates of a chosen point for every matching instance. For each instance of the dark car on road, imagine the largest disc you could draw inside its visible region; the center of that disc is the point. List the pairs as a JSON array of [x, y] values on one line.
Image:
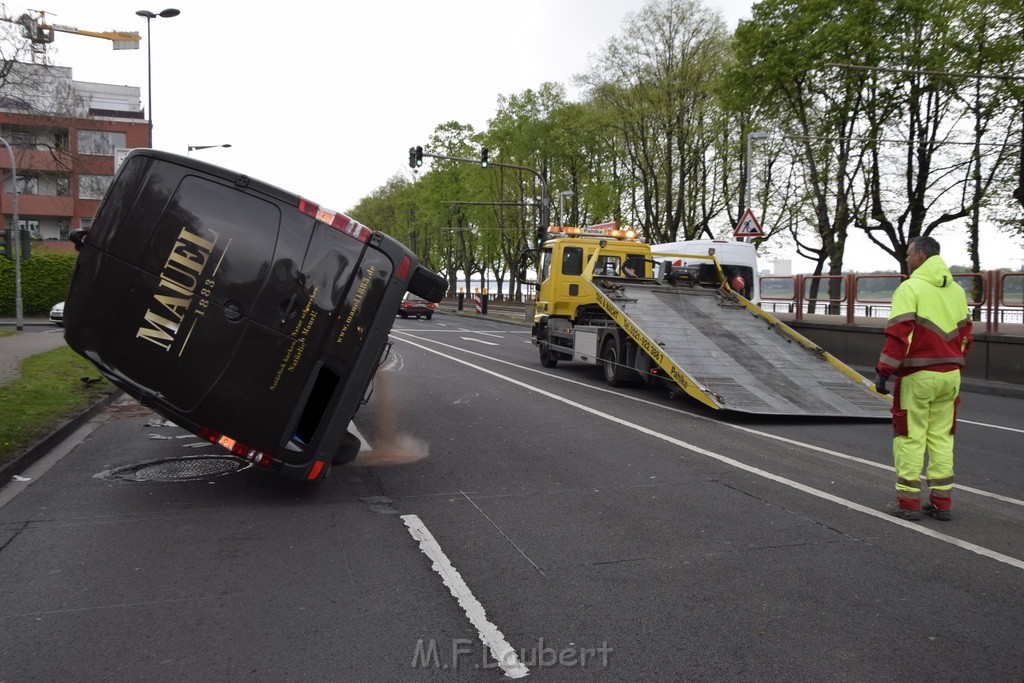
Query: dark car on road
[[417, 306], [245, 314]]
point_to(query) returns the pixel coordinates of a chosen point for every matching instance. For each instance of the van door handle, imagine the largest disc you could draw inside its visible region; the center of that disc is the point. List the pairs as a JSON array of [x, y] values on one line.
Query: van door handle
[[288, 309]]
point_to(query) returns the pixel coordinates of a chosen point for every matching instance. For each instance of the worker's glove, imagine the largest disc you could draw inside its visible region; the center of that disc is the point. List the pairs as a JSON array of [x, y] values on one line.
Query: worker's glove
[[880, 383]]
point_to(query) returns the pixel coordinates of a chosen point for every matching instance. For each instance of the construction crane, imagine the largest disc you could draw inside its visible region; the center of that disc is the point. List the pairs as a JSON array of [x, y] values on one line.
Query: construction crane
[[40, 33]]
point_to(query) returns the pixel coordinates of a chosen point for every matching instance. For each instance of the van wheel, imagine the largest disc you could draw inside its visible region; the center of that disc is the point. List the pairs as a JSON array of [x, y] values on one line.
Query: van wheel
[[614, 373], [348, 449], [427, 284], [548, 358]]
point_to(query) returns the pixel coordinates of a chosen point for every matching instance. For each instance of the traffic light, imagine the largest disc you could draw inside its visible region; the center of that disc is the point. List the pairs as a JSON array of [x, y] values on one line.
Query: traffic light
[[415, 157], [483, 157], [25, 242]]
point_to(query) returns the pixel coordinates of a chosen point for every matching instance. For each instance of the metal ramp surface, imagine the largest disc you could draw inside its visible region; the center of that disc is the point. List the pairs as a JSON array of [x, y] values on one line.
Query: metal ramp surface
[[732, 355]]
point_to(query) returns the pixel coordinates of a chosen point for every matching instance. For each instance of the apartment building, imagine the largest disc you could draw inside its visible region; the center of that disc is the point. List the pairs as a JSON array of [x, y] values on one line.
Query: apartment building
[[67, 137]]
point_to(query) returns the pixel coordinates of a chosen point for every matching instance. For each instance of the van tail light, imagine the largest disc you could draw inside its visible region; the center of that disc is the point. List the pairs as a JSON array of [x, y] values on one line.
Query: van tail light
[[236, 447], [338, 221], [314, 472], [403, 269]]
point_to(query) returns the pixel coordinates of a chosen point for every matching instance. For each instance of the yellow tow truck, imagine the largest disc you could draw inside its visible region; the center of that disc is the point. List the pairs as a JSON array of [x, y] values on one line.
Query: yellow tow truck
[[605, 299]]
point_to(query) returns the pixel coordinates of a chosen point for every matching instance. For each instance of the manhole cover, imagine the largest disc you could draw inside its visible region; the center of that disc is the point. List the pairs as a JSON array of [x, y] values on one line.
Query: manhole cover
[[182, 469]]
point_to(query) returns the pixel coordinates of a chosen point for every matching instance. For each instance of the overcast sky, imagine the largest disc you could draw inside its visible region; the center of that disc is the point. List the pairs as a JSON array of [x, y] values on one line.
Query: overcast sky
[[324, 97]]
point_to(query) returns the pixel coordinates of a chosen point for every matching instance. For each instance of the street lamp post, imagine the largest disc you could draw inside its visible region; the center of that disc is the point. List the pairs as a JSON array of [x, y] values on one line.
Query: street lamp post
[[16, 242], [753, 135], [561, 204], [166, 14], [193, 148]]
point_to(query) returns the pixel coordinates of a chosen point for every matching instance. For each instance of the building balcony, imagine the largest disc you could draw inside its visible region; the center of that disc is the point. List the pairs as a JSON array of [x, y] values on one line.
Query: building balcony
[[38, 160], [40, 205]]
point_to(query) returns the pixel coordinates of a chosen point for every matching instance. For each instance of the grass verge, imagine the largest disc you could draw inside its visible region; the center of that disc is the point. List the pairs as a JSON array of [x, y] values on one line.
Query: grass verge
[[48, 391]]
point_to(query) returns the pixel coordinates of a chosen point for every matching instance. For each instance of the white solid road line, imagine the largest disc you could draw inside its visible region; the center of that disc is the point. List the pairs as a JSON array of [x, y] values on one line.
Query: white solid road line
[[756, 432], [824, 495], [492, 637]]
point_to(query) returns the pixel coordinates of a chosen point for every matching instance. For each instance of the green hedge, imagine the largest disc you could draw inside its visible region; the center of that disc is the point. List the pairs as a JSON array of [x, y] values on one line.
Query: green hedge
[[44, 281]]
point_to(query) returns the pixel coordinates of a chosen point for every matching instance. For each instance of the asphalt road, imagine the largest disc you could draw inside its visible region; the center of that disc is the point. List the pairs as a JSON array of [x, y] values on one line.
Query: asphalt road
[[579, 532]]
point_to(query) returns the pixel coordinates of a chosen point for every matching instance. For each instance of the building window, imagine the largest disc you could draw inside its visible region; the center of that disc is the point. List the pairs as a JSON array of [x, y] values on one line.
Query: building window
[[28, 184], [84, 223], [100, 141], [93, 186], [32, 226], [21, 139], [63, 185]]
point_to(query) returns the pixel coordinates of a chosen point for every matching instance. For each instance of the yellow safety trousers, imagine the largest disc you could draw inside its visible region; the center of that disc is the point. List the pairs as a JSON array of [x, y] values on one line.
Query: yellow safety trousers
[[925, 419]]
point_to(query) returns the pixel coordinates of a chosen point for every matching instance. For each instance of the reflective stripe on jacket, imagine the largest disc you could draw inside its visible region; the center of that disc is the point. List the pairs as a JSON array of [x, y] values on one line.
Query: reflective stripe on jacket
[[929, 326]]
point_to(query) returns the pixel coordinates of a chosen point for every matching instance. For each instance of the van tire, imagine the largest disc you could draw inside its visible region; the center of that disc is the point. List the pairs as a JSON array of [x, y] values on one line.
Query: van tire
[[347, 450], [427, 284]]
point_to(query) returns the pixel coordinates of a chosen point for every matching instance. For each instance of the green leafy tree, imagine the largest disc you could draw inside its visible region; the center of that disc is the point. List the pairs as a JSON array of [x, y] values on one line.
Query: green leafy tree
[[653, 85]]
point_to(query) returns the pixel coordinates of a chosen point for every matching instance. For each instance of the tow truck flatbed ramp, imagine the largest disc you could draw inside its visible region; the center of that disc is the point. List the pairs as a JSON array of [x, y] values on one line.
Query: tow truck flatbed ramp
[[731, 355]]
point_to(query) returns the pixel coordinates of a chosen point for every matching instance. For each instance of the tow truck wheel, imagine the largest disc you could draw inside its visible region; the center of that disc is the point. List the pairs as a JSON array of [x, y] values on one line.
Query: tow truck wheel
[[614, 373], [548, 358]]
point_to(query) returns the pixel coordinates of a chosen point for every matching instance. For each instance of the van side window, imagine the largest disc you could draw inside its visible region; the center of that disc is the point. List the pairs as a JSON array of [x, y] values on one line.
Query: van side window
[[572, 261]]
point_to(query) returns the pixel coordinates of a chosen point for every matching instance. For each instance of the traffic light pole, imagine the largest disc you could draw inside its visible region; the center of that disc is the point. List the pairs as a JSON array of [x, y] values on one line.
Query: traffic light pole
[[16, 240], [545, 204]]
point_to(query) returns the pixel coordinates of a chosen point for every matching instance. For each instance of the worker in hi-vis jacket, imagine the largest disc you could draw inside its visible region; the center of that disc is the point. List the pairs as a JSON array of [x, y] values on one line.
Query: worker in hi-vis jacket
[[926, 342]]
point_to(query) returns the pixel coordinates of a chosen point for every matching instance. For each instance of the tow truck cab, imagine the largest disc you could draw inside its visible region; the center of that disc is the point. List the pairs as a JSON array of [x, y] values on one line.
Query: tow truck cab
[[245, 314], [565, 255]]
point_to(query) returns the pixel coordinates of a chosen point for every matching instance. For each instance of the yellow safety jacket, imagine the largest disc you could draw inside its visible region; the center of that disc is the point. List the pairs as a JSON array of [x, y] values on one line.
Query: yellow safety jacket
[[929, 326]]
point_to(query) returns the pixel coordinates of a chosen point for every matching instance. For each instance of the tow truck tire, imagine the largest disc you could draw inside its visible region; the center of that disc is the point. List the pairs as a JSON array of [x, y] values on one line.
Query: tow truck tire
[[614, 373], [548, 358]]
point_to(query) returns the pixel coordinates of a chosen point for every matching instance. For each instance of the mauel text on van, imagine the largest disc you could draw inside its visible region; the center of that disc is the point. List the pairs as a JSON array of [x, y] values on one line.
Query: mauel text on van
[[179, 280]]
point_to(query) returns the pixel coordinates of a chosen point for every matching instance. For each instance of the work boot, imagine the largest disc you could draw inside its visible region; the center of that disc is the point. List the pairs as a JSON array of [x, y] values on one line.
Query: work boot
[[896, 510], [941, 515]]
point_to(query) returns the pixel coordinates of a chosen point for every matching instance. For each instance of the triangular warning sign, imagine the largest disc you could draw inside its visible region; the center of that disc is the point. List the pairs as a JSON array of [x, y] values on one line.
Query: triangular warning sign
[[748, 226]]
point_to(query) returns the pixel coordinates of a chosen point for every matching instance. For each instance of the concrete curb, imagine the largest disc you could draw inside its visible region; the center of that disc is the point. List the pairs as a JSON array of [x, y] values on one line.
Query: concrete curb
[[37, 450]]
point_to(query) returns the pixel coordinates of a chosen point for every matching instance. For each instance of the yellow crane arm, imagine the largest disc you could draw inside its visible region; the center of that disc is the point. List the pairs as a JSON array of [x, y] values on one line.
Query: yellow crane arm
[[123, 40]]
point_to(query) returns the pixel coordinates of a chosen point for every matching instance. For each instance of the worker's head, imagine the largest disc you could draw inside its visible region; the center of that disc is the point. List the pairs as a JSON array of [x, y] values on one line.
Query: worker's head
[[920, 250]]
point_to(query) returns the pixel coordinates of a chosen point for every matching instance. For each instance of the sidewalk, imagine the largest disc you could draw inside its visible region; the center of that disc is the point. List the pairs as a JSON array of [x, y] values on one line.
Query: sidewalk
[[17, 347]]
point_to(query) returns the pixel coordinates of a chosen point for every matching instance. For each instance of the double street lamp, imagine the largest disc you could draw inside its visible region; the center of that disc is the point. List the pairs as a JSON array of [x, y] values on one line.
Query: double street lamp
[[166, 14]]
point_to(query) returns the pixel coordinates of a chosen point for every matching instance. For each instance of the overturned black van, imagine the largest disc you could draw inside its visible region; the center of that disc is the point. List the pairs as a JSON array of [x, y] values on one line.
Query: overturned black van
[[243, 313]]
